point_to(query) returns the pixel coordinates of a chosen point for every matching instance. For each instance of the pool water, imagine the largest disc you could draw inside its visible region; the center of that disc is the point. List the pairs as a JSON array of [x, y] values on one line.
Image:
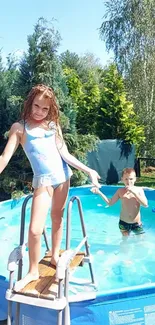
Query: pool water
[[117, 263]]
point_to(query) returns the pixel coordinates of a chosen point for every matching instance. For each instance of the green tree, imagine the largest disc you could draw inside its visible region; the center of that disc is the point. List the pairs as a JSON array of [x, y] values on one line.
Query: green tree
[[86, 117], [116, 116], [10, 106], [2, 98], [129, 31], [41, 64], [10, 103], [70, 60], [74, 85], [85, 96]]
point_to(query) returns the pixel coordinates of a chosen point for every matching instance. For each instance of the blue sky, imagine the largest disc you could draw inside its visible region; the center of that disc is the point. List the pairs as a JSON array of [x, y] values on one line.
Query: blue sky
[[77, 21]]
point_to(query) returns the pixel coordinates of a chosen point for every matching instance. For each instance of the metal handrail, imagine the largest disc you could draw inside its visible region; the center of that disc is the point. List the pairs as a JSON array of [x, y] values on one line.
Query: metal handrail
[[70, 204], [22, 231], [68, 240]]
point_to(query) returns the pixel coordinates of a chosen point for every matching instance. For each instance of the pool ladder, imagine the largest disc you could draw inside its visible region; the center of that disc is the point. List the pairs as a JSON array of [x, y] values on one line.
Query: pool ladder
[[61, 303]]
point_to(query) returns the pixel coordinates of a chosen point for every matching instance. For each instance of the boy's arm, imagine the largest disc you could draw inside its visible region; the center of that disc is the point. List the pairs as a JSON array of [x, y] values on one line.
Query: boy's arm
[[139, 195], [11, 146], [111, 201]]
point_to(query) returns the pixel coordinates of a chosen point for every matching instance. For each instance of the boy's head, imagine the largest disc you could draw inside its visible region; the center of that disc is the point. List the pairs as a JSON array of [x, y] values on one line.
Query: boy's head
[[129, 176]]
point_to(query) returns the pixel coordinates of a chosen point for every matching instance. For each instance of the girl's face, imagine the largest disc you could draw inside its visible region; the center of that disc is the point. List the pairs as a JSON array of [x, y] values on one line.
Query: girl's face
[[40, 107], [129, 179]]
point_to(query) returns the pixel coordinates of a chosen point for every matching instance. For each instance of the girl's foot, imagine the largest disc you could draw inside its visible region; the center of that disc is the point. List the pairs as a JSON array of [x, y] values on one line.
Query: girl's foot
[[54, 259], [19, 285]]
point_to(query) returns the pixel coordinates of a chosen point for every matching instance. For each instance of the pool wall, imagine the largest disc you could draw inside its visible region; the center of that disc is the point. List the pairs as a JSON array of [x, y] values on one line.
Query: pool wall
[[135, 310]]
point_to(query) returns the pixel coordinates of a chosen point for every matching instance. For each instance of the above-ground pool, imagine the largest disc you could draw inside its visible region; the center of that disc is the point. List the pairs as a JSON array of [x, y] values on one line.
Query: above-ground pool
[[124, 270]]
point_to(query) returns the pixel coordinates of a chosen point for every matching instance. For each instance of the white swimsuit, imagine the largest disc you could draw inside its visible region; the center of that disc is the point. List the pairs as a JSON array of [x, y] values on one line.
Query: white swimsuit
[[48, 166]]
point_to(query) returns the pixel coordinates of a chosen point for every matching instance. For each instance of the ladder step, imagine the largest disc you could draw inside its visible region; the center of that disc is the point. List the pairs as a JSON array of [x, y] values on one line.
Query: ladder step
[[57, 304], [46, 287]]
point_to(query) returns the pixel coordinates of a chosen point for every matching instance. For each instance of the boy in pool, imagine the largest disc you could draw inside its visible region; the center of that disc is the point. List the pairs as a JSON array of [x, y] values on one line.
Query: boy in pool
[[132, 198]]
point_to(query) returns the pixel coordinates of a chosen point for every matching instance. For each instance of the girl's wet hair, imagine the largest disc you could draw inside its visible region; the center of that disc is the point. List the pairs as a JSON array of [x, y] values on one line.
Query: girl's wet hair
[[128, 171], [47, 92]]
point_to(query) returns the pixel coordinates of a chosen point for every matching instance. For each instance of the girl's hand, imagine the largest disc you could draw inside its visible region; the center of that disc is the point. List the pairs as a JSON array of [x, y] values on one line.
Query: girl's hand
[[94, 176], [95, 190]]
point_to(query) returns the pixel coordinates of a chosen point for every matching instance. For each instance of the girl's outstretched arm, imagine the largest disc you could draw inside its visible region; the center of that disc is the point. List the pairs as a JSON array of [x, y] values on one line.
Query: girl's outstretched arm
[[111, 201], [95, 190], [74, 162], [11, 146]]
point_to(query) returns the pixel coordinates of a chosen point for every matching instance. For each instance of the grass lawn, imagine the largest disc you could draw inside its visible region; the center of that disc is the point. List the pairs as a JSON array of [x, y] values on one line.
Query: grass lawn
[[146, 179]]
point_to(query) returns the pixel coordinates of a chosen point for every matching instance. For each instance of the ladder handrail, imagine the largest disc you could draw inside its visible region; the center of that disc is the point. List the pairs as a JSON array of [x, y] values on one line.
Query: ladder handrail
[[69, 210], [69, 254], [68, 228], [22, 232], [22, 223]]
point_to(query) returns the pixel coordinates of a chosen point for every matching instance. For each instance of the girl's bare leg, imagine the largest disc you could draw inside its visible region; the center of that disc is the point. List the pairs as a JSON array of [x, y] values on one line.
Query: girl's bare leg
[[58, 205], [40, 206]]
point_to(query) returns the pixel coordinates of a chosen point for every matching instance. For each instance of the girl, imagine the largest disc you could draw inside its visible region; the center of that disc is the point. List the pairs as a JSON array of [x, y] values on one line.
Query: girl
[[40, 135]]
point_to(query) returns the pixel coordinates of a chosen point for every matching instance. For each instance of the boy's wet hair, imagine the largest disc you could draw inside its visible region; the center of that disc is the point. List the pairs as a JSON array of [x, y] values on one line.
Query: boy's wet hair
[[128, 171], [47, 92]]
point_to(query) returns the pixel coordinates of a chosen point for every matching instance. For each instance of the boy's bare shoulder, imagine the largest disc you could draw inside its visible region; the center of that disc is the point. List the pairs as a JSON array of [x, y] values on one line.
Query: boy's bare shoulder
[[121, 191], [139, 189]]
